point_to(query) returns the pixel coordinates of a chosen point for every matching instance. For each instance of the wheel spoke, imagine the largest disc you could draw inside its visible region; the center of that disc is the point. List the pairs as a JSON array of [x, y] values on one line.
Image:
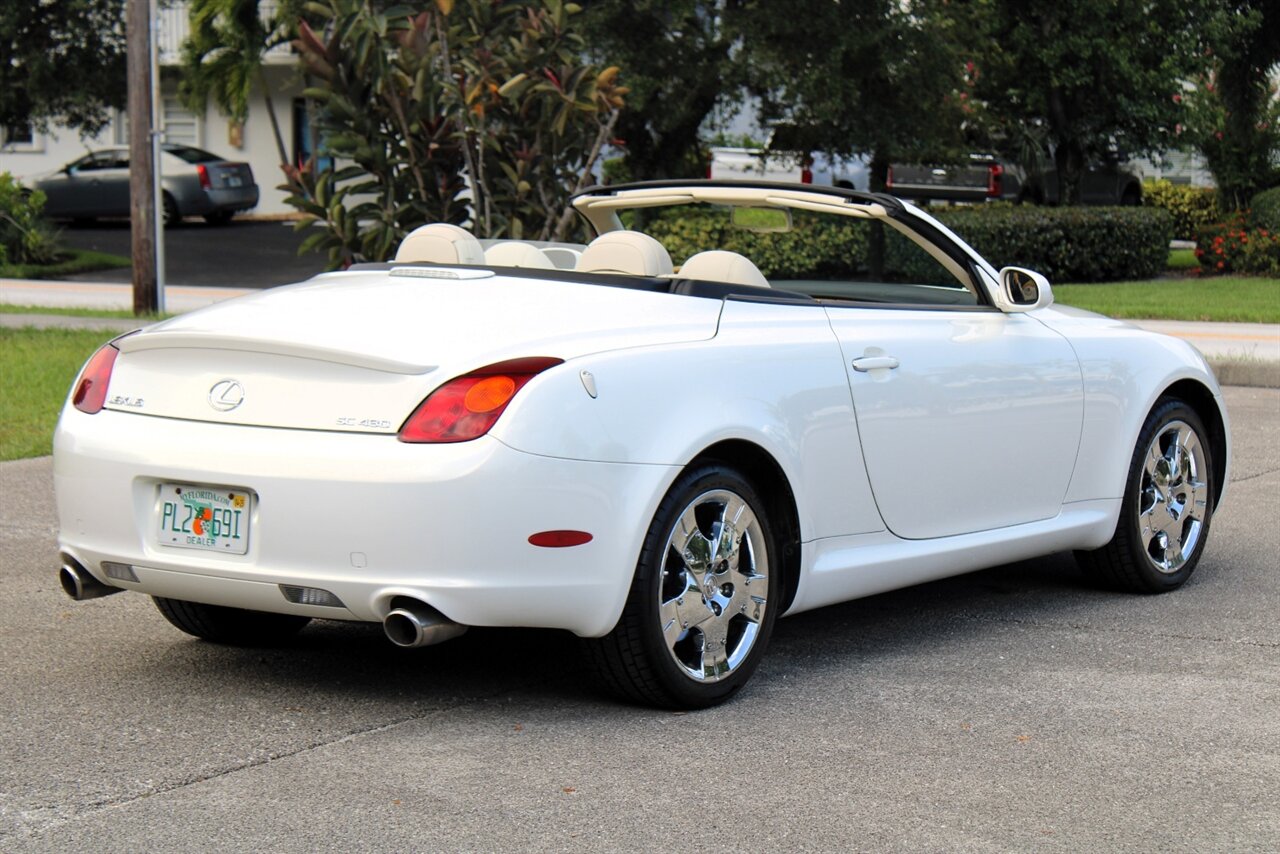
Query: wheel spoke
[[715, 654], [1152, 461]]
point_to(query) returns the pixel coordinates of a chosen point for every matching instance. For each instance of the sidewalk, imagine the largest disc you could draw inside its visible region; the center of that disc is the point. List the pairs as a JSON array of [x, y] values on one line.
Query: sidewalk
[[1241, 353]]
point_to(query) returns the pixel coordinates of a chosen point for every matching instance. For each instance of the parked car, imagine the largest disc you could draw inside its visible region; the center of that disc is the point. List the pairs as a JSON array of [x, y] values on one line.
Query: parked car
[[985, 177], [194, 183], [786, 157], [661, 461]]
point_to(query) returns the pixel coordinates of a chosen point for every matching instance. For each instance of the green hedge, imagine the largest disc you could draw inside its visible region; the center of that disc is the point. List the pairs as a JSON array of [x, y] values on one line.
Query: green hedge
[[819, 244], [1065, 244], [1192, 208], [1082, 244], [1265, 210]]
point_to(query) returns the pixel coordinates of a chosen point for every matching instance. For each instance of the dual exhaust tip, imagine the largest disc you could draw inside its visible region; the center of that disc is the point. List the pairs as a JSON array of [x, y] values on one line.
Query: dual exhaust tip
[[410, 624]]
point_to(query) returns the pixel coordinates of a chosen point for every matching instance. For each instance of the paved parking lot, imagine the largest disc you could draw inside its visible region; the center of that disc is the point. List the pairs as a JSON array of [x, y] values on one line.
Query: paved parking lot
[[240, 254], [1012, 709]]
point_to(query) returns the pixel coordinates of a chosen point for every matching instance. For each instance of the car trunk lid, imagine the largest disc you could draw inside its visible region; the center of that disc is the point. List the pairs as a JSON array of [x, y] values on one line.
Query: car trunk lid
[[359, 351]]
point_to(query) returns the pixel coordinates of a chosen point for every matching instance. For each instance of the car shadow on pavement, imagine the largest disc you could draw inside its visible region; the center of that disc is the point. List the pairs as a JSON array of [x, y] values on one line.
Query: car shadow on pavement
[[353, 662]]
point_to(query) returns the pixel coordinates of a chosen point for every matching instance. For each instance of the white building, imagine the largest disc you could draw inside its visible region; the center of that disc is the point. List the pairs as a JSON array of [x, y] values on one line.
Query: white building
[[26, 153]]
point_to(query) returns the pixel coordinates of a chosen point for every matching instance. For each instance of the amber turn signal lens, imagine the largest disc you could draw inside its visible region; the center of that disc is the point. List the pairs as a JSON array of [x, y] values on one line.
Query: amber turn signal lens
[[467, 407], [489, 394]]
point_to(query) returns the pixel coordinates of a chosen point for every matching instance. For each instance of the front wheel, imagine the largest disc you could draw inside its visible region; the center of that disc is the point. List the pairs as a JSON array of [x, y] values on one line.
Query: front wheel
[[703, 600], [1167, 508], [232, 626]]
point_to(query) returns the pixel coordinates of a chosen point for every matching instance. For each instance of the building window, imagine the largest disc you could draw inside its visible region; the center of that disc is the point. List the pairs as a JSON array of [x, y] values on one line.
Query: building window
[[20, 136], [181, 126]]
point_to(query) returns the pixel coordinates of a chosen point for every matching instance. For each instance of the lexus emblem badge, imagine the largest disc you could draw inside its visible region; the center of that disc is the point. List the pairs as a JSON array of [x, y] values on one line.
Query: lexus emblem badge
[[226, 395]]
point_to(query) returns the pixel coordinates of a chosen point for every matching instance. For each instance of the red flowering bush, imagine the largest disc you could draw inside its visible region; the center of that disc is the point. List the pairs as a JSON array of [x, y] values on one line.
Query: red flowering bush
[[1238, 246]]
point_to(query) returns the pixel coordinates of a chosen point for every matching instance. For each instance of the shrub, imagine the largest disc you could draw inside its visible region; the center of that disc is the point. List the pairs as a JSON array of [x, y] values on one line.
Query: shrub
[[1237, 246], [1192, 208], [819, 244], [1077, 244], [25, 237], [1265, 208]]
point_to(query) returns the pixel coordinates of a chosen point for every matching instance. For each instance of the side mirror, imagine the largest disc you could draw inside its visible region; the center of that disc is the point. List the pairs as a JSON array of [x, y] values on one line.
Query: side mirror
[[1023, 290]]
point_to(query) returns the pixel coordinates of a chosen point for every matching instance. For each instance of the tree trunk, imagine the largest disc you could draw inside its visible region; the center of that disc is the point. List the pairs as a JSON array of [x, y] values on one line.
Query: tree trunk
[[142, 197], [275, 124], [879, 182]]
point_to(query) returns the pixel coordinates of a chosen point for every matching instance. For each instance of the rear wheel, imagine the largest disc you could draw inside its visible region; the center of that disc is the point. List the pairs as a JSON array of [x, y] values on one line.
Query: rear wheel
[[1168, 505], [233, 626], [703, 599], [172, 216]]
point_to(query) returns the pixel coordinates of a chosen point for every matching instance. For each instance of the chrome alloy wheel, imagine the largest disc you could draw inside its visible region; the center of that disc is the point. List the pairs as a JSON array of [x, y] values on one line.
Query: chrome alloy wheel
[[712, 594], [1173, 496]]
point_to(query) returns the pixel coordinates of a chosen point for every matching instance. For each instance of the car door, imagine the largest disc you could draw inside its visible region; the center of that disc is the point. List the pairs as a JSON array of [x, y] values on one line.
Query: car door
[[64, 191], [969, 417], [112, 187]]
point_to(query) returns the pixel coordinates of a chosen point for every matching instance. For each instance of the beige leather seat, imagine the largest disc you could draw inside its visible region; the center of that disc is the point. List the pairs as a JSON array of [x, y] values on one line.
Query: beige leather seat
[[628, 252], [717, 265], [514, 253], [440, 243]]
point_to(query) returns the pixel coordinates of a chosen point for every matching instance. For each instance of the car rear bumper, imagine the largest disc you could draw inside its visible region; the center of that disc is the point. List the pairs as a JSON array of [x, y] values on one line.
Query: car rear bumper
[[233, 199], [365, 517]]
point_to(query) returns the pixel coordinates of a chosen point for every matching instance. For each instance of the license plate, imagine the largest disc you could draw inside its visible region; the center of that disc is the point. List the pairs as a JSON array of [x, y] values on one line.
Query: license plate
[[191, 516], [235, 181]]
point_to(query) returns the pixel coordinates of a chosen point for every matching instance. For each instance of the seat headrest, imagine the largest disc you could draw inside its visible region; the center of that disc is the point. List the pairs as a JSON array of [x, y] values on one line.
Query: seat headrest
[[440, 243], [628, 252], [717, 265], [514, 253]]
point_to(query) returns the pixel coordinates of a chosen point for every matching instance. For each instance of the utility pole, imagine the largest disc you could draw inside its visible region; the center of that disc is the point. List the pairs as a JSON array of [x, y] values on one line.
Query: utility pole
[[142, 179]]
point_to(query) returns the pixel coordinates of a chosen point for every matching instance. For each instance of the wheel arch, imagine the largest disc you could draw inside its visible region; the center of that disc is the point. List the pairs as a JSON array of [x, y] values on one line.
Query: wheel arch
[[1201, 399], [767, 476]]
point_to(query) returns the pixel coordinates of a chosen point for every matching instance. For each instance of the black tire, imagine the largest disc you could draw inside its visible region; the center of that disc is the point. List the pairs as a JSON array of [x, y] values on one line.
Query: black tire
[[219, 218], [636, 661], [172, 216], [231, 626], [1127, 561]]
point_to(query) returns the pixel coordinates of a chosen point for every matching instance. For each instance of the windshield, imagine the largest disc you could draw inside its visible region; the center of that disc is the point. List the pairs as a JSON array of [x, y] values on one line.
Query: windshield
[[191, 155], [822, 255]]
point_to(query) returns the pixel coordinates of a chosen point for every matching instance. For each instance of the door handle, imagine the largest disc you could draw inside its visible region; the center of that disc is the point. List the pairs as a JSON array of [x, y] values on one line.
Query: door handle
[[870, 363]]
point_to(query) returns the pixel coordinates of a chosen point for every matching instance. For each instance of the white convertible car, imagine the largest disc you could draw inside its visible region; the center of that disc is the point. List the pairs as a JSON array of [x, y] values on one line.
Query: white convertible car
[[661, 458]]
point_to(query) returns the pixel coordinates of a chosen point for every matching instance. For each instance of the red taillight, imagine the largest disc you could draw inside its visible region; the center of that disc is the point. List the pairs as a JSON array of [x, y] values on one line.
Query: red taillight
[[467, 407], [888, 178], [995, 181], [806, 176], [203, 172], [91, 389]]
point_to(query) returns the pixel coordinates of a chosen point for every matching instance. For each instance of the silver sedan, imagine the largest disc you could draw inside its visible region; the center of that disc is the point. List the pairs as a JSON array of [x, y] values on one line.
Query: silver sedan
[[194, 182]]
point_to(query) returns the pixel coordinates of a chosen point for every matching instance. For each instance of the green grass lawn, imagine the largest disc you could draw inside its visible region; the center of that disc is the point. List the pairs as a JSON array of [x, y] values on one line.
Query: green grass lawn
[[37, 367], [1244, 299], [1182, 259], [75, 261], [111, 313]]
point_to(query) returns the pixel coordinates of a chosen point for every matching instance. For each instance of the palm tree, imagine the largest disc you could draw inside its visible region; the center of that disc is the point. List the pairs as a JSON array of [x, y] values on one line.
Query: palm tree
[[222, 57]]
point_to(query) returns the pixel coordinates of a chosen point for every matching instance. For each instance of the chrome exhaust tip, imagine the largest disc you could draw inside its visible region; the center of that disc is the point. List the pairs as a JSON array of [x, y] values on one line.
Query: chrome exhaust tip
[[415, 624], [79, 584]]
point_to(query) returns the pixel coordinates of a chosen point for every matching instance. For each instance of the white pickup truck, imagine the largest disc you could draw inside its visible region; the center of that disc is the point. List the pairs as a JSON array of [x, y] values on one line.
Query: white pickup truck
[[780, 161]]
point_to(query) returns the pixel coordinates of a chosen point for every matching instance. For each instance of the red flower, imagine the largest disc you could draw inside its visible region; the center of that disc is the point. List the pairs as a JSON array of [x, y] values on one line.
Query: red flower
[[1219, 265], [1177, 98]]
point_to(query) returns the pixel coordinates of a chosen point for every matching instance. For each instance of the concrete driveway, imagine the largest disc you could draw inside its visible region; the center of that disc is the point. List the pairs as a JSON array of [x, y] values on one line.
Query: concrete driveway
[[1012, 709], [240, 254]]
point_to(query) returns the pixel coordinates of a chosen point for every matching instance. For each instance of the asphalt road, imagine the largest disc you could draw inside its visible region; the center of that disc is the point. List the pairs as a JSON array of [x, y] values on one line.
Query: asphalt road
[[237, 255], [1012, 709]]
